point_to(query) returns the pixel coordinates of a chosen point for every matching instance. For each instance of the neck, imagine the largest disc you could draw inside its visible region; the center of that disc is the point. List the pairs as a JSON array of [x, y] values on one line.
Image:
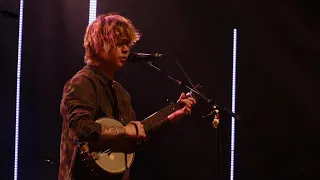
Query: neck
[[106, 68], [109, 71]]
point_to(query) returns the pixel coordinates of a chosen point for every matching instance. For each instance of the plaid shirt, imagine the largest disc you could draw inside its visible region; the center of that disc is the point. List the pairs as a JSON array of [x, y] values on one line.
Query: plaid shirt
[[86, 98]]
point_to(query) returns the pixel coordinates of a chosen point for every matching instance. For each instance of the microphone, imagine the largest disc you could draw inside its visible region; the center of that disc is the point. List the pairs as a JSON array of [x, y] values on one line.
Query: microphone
[[9, 14], [136, 57]]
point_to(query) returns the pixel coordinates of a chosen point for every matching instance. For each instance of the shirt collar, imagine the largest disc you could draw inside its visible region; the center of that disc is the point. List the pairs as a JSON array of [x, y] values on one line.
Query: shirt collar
[[100, 74]]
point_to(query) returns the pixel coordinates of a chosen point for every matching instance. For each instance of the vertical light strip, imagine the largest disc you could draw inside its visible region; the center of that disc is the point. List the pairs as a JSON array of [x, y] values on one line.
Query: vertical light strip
[[92, 10], [234, 65], [16, 140]]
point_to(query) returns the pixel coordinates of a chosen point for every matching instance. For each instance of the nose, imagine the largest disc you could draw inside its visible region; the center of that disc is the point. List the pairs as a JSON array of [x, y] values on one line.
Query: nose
[[125, 49]]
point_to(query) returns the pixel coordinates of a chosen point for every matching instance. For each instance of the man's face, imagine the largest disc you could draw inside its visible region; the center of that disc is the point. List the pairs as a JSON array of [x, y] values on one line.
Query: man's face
[[116, 57]]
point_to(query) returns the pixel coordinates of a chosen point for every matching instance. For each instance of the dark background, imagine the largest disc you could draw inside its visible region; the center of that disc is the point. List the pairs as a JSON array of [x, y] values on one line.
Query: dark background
[[277, 84]]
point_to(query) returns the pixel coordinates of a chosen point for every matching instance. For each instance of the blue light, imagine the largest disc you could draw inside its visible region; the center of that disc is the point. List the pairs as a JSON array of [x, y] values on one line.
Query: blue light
[[92, 10], [234, 65], [16, 143]]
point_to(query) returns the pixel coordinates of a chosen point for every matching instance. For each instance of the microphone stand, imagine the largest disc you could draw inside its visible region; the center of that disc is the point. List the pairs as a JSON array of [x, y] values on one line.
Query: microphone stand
[[215, 112]]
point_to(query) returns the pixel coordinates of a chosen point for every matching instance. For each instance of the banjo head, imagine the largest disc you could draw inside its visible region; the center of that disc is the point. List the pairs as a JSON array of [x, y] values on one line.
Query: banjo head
[[113, 162]]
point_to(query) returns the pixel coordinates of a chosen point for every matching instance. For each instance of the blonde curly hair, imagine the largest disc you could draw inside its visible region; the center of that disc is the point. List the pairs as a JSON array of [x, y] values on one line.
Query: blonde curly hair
[[106, 32]]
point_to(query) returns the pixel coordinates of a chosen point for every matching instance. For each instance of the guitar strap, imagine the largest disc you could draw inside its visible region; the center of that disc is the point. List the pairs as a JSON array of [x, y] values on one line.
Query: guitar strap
[[114, 103]]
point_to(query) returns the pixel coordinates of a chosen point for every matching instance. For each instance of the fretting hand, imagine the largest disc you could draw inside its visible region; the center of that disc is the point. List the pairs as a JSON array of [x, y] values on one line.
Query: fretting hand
[[189, 103]]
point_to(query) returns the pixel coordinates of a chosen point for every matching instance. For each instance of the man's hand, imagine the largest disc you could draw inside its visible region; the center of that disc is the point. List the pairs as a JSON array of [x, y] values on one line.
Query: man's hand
[[189, 103], [131, 130]]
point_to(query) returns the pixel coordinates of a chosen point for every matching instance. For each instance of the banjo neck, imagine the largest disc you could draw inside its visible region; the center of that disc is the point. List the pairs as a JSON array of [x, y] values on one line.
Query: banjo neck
[[160, 117]]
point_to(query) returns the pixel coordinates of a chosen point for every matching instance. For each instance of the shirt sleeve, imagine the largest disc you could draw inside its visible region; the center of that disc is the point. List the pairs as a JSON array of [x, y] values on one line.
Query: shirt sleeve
[[80, 101]]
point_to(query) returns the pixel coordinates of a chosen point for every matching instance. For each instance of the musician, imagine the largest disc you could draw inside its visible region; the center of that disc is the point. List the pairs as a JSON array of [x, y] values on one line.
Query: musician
[[93, 93]]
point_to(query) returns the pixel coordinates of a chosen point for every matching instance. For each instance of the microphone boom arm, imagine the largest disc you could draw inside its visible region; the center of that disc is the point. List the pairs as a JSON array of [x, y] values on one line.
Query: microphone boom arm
[[210, 101]]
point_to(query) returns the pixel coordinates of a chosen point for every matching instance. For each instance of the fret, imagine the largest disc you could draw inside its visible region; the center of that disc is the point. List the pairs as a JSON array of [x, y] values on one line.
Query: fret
[[159, 117]]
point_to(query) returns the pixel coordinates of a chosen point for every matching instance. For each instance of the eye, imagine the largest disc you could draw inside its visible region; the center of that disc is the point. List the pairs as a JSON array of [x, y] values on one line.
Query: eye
[[129, 45]]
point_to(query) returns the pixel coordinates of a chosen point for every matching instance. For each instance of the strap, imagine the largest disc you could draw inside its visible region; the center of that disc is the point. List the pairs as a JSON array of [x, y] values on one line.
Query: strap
[[115, 111], [115, 108]]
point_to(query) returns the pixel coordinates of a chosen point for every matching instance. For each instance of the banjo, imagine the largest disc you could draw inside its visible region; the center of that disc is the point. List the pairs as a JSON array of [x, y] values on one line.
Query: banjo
[[115, 162]]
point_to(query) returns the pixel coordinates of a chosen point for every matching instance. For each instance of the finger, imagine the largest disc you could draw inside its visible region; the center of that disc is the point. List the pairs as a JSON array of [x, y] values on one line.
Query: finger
[[142, 135], [192, 100], [187, 110], [187, 102]]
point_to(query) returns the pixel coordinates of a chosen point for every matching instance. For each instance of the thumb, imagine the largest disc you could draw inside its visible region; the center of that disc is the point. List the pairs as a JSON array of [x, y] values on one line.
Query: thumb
[[182, 96]]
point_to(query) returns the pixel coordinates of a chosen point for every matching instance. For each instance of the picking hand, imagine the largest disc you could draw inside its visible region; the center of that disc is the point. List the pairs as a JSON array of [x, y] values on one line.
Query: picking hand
[[132, 132]]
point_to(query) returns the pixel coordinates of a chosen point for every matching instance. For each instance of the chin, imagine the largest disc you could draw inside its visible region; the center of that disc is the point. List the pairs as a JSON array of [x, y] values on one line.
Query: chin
[[121, 65]]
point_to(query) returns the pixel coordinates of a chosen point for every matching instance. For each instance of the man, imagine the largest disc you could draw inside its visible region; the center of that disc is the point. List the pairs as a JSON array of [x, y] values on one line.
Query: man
[[92, 93]]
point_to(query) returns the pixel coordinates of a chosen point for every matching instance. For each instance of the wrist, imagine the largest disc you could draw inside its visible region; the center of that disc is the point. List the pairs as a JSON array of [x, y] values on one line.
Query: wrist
[[174, 116], [170, 117], [122, 130], [135, 127]]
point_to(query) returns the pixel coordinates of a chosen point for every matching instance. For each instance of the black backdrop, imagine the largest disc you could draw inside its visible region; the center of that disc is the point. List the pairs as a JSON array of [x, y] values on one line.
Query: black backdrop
[[276, 84]]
